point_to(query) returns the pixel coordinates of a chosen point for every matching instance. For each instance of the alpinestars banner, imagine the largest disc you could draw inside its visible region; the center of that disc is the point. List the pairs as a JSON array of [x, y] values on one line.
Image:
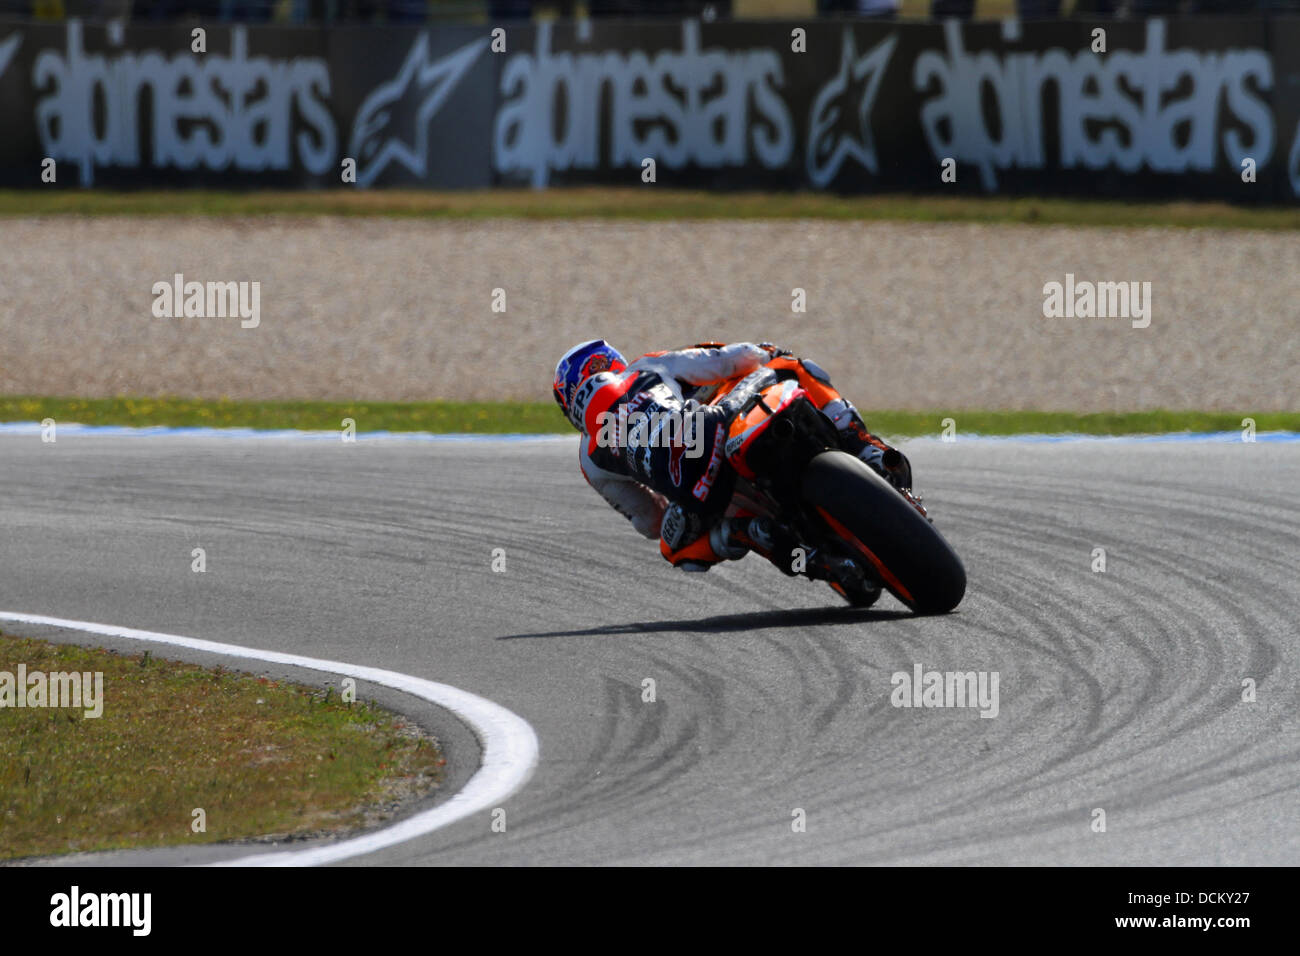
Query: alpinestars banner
[[1189, 107]]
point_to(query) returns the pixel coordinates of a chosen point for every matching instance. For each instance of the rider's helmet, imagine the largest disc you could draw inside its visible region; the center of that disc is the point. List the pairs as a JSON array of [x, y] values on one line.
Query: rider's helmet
[[576, 365]]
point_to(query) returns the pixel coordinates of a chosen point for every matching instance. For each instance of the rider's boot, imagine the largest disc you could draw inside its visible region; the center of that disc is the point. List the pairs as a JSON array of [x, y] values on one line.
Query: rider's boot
[[887, 461], [845, 575], [686, 546], [736, 536], [762, 536]]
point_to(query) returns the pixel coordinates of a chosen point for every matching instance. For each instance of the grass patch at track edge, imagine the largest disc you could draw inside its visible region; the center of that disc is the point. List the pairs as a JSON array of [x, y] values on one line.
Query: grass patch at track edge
[[261, 758], [544, 418]]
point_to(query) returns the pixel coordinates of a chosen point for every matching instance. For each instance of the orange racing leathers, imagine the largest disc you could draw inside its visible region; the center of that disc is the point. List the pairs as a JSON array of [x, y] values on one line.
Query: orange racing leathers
[[656, 454]]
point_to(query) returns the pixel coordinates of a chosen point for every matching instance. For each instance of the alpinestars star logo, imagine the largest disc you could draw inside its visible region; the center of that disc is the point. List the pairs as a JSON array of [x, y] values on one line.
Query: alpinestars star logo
[[839, 125], [392, 125]]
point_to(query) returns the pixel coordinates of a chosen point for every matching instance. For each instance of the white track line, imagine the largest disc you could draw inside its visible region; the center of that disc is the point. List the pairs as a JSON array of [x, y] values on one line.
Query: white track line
[[509, 743]]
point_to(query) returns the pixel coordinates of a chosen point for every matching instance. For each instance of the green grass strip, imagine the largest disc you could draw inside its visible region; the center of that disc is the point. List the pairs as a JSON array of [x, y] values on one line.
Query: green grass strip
[[544, 418], [258, 757], [1153, 422], [652, 203], [443, 417]]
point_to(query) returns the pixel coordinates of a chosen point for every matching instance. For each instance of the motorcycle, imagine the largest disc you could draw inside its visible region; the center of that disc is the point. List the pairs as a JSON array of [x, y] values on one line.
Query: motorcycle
[[855, 530]]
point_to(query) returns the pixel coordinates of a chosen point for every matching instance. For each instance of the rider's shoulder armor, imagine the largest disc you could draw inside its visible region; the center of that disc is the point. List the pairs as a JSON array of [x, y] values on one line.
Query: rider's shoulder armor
[[600, 395], [603, 392]]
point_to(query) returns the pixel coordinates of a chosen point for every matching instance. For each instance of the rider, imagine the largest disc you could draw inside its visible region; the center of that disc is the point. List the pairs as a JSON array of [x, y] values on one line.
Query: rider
[[678, 490]]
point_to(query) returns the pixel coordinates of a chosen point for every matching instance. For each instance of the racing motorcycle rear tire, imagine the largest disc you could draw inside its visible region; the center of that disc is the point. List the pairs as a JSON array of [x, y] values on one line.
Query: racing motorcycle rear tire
[[911, 557]]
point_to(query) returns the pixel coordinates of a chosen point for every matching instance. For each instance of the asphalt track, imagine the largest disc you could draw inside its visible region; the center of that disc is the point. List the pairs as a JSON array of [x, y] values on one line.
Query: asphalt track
[[1119, 691]]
